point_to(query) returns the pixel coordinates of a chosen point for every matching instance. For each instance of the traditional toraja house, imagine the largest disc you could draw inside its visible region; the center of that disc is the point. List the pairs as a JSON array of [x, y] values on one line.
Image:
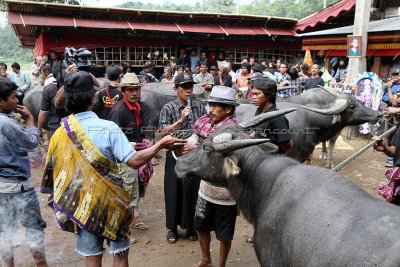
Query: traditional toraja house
[[117, 35], [325, 38], [382, 50]]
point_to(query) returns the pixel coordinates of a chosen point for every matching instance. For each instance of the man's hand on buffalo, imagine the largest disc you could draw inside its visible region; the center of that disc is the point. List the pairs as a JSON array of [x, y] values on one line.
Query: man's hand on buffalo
[[189, 146], [392, 110], [169, 142]]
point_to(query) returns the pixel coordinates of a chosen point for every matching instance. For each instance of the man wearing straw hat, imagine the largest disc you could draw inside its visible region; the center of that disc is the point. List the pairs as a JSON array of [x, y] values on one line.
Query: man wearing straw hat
[[132, 115]]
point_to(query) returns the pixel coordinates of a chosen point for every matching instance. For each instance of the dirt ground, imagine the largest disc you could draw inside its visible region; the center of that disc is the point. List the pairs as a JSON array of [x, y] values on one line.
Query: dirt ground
[[152, 248]]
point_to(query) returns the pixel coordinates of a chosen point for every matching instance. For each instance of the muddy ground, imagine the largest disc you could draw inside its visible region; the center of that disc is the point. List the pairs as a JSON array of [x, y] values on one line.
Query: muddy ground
[[152, 248]]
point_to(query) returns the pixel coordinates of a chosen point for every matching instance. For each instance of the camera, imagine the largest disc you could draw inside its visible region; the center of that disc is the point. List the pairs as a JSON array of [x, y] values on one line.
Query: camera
[[81, 57]]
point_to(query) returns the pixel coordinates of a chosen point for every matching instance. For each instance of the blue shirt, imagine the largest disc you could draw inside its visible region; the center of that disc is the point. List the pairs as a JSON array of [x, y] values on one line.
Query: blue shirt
[[15, 143], [395, 89], [193, 61], [107, 136]]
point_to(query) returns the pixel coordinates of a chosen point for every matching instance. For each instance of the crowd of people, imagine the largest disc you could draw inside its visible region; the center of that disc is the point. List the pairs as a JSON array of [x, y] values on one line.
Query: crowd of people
[[207, 72], [100, 151]]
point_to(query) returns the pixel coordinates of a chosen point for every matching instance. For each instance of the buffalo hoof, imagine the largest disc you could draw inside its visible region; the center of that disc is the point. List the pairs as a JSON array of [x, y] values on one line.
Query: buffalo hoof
[[330, 165]]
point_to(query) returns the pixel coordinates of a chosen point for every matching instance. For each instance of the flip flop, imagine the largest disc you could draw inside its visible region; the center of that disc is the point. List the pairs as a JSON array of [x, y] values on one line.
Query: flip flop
[[140, 226], [192, 236], [171, 237]]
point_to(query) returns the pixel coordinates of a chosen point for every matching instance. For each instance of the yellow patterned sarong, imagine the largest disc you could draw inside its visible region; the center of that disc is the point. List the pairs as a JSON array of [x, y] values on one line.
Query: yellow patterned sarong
[[84, 184]]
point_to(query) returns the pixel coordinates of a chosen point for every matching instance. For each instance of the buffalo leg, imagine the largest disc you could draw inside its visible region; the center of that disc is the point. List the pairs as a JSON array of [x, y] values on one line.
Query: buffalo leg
[[324, 151], [332, 142]]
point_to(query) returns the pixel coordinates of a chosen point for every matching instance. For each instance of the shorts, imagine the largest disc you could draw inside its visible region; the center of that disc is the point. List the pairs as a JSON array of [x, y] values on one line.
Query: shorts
[[21, 207], [88, 244], [214, 217]]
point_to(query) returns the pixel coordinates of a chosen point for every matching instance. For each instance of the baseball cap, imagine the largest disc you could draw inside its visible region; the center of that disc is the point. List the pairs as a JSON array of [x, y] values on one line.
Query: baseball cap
[[213, 68], [183, 78], [395, 72], [78, 81]]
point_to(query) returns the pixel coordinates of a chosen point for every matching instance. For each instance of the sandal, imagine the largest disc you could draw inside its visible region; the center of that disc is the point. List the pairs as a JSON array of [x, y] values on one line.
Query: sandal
[[140, 226], [192, 236], [172, 237]]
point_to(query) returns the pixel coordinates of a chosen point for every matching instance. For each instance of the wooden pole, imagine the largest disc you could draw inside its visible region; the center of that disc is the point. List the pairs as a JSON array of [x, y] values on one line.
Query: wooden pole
[[361, 21]]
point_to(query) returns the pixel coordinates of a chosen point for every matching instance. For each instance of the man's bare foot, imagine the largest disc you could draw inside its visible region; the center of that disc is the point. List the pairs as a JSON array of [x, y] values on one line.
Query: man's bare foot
[[203, 263]]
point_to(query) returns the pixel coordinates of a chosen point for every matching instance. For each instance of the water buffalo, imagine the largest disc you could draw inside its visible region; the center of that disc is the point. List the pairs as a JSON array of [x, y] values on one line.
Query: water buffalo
[[302, 215], [32, 101], [320, 96], [315, 123]]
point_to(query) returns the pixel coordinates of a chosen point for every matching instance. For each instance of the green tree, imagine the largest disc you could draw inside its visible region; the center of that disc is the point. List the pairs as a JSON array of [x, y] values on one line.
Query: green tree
[[10, 49], [218, 6]]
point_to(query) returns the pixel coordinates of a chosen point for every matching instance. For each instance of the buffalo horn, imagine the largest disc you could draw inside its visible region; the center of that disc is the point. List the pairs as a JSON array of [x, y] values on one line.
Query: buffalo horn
[[265, 116], [224, 143], [338, 107]]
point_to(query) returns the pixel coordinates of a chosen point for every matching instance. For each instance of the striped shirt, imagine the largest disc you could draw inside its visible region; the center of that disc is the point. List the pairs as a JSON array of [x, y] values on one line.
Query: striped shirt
[[171, 113]]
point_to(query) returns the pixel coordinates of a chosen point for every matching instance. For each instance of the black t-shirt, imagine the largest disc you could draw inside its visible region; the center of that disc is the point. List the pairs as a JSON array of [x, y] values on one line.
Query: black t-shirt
[[47, 105], [126, 120], [276, 129], [227, 79], [106, 104], [313, 83]]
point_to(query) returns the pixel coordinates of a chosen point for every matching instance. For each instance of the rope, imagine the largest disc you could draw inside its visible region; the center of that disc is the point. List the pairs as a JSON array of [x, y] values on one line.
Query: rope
[[361, 151]]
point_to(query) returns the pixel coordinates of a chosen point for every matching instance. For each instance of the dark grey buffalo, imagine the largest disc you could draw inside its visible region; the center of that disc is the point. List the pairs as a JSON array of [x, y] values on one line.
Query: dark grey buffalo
[[319, 96], [32, 101], [302, 215], [315, 123]]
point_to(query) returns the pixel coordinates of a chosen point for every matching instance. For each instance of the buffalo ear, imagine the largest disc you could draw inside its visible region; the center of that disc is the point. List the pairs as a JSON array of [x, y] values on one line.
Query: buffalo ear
[[230, 167]]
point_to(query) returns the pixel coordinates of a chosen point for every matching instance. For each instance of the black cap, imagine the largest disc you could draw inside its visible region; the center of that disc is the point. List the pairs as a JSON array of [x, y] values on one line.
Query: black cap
[[183, 78], [267, 85], [78, 81], [213, 68], [395, 72]]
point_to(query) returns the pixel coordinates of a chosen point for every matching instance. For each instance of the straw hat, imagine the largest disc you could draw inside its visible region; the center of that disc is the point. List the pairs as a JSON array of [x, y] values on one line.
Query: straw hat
[[130, 79]]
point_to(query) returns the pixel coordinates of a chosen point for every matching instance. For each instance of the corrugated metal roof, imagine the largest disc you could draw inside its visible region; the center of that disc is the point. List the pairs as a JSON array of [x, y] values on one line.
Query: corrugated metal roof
[[324, 15], [385, 25], [38, 7]]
